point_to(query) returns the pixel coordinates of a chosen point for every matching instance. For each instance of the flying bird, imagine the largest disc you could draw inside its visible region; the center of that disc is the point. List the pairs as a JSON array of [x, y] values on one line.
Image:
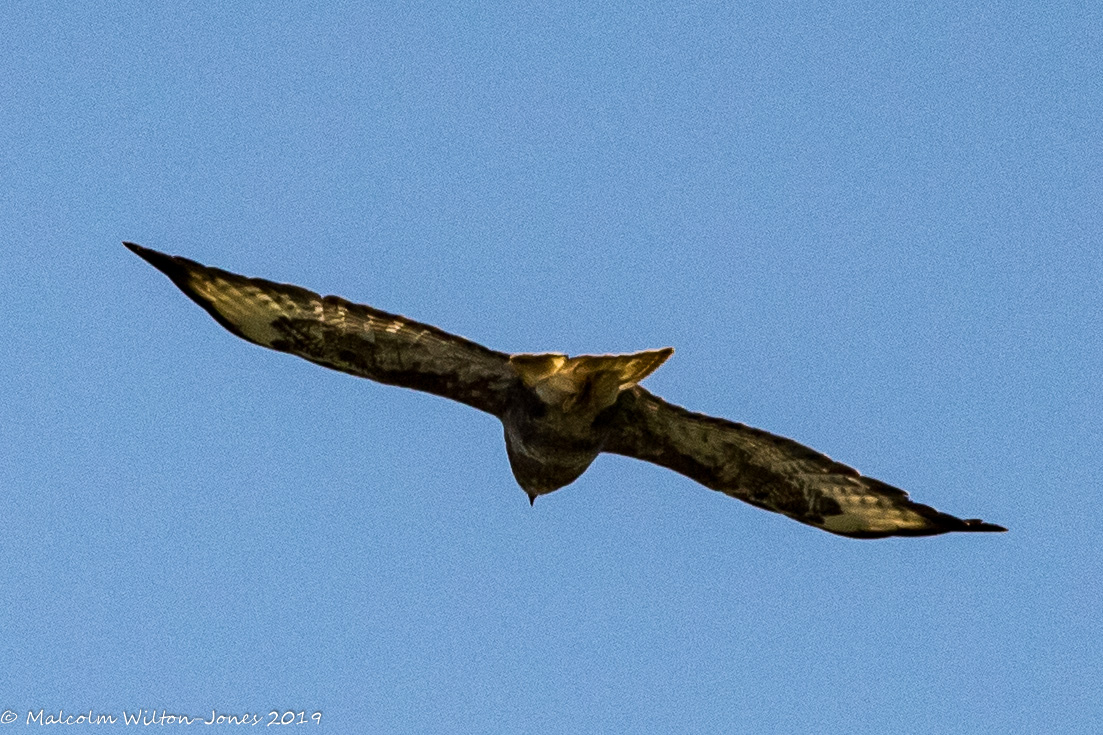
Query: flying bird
[[560, 412]]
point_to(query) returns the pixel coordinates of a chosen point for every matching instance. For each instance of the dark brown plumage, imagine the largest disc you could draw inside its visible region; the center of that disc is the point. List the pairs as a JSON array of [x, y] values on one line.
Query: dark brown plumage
[[560, 412]]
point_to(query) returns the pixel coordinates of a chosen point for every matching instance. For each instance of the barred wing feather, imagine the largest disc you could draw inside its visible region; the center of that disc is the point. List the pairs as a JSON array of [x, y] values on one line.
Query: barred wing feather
[[771, 472], [341, 335]]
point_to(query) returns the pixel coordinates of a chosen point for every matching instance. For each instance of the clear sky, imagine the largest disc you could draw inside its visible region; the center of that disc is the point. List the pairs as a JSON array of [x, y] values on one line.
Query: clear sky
[[874, 230]]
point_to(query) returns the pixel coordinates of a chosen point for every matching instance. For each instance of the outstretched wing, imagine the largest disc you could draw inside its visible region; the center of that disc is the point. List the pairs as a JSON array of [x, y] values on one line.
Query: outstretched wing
[[771, 472], [338, 334]]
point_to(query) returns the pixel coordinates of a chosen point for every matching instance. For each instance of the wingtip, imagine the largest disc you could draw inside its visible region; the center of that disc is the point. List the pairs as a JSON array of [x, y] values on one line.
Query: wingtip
[[144, 253], [977, 525], [172, 266]]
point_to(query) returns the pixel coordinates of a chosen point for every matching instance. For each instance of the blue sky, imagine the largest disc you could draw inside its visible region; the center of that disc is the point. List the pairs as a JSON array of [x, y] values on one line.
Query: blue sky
[[873, 230]]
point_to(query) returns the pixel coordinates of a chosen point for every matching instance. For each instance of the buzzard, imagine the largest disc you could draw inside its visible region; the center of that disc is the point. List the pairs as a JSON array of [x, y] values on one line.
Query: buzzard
[[560, 412]]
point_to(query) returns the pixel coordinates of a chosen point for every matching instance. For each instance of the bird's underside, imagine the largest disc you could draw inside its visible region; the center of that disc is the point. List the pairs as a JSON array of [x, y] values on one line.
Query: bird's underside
[[560, 412]]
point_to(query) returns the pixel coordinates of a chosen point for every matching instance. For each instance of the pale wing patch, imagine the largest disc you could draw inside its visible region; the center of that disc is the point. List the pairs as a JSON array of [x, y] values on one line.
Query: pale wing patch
[[864, 511], [251, 310]]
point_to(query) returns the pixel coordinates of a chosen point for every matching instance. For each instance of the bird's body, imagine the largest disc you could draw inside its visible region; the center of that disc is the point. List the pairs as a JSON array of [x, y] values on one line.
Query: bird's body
[[558, 412]]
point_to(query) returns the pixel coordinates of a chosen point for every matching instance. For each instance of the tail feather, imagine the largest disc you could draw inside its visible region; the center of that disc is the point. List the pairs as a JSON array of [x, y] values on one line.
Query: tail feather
[[592, 381]]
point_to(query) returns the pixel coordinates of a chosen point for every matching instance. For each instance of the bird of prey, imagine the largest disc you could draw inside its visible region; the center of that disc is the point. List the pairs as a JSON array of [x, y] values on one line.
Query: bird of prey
[[560, 412]]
